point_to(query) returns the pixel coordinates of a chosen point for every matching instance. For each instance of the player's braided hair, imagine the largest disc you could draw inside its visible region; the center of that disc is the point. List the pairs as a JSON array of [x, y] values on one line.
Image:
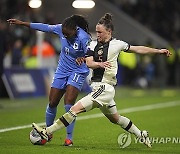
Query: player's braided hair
[[76, 20], [106, 20]]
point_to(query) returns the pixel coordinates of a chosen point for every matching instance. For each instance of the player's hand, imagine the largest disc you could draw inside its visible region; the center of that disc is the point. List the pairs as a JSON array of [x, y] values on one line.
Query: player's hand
[[105, 64], [80, 60], [14, 21], [166, 52]]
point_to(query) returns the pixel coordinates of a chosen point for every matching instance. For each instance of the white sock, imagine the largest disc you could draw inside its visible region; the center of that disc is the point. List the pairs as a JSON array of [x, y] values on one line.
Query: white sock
[[62, 122], [126, 124]]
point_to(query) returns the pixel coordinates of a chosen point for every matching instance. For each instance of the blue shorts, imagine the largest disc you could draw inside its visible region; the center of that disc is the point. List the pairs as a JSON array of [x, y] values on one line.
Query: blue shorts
[[74, 79]]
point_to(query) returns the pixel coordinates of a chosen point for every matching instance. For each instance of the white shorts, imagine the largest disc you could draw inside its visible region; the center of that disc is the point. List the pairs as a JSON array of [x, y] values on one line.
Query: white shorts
[[102, 96]]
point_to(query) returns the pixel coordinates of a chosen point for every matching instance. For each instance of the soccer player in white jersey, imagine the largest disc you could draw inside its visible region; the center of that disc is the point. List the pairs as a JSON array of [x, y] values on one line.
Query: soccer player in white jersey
[[102, 58]]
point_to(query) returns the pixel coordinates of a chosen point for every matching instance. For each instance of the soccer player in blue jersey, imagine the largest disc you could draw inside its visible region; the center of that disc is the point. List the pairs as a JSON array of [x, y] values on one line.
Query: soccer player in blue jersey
[[69, 76]]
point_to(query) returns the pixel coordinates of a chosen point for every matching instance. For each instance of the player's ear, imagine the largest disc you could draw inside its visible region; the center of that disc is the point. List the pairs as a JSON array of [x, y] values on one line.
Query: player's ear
[[109, 31]]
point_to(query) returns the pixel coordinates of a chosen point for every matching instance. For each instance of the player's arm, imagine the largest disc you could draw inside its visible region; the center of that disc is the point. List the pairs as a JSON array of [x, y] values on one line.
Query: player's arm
[[148, 50], [36, 26], [18, 22], [93, 65]]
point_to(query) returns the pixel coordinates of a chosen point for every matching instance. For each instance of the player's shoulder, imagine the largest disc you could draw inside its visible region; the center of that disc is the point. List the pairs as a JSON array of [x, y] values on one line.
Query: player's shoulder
[[82, 34], [117, 41], [121, 45], [57, 27]]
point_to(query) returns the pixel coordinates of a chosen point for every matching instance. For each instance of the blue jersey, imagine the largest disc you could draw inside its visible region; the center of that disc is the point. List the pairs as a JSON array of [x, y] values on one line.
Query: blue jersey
[[70, 49]]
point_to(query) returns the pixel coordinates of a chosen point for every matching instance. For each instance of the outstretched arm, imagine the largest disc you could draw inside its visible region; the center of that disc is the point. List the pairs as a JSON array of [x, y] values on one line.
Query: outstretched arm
[[147, 50], [36, 26], [18, 22]]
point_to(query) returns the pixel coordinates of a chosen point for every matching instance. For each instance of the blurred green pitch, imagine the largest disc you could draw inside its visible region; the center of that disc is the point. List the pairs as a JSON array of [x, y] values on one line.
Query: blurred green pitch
[[95, 135]]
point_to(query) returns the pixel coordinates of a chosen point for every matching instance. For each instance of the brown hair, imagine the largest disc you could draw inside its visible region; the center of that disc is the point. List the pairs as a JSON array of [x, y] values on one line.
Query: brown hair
[[106, 20]]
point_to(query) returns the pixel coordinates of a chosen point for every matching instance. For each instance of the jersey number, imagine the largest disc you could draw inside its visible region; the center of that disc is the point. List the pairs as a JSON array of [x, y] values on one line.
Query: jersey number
[[67, 51], [100, 58], [76, 77]]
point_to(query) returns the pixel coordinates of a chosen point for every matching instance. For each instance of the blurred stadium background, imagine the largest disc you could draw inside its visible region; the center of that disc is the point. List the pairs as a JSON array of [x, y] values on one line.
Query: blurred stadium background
[[28, 60], [138, 22]]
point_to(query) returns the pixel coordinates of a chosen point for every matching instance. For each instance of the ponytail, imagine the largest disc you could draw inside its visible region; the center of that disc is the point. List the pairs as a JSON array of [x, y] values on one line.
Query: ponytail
[[106, 20]]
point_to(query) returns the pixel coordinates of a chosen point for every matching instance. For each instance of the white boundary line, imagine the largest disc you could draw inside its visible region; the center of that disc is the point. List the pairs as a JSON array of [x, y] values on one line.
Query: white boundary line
[[127, 110]]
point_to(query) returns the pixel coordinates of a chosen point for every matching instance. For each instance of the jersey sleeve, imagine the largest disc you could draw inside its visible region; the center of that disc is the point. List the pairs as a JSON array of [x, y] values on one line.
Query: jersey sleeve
[[125, 46], [89, 53], [46, 28]]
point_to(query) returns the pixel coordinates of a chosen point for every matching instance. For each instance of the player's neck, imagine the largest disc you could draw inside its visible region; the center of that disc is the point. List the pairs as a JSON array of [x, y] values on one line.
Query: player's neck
[[106, 40]]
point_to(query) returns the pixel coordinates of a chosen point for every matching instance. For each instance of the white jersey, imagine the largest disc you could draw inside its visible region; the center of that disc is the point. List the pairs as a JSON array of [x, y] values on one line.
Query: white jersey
[[106, 52]]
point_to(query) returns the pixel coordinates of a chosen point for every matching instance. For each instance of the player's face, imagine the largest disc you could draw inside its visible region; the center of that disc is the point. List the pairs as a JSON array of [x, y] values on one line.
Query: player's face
[[102, 33], [68, 33]]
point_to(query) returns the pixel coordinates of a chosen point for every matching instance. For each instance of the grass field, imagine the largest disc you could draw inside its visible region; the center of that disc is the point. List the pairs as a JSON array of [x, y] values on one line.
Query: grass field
[[156, 110]]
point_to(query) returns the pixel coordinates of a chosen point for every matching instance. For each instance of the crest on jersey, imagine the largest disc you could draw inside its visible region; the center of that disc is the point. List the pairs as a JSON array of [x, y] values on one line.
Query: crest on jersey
[[75, 46], [100, 52]]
